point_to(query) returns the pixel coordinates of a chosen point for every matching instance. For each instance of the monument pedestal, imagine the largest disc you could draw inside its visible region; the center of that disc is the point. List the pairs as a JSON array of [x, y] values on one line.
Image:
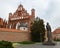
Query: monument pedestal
[[49, 43]]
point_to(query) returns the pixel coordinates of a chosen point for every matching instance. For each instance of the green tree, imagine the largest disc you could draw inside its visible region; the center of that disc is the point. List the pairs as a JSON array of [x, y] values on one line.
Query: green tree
[[38, 30]]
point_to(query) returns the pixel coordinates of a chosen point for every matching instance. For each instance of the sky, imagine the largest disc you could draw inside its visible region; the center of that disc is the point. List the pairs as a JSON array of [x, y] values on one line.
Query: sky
[[48, 10]]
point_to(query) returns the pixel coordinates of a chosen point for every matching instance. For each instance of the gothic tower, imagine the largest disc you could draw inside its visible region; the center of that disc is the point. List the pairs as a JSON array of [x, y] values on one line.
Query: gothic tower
[[33, 12]]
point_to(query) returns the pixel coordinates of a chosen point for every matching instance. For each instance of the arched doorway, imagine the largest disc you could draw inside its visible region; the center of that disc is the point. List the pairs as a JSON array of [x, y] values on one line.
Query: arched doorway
[[17, 25], [10, 26], [23, 26]]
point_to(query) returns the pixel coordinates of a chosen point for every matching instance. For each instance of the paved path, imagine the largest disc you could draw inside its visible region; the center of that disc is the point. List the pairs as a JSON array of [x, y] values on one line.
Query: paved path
[[38, 46]]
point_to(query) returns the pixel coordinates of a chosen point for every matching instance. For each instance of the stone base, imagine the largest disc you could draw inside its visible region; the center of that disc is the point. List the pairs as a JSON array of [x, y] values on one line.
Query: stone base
[[49, 43]]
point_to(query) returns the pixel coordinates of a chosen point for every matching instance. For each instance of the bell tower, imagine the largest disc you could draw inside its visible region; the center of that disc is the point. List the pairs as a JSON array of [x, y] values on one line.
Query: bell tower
[[33, 12]]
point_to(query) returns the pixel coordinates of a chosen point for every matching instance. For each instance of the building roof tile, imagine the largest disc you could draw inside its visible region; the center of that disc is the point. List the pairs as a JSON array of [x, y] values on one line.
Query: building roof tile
[[56, 31]]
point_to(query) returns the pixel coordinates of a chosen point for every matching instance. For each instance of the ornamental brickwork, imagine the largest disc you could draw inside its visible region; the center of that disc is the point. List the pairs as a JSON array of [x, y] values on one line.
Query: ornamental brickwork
[[20, 19]]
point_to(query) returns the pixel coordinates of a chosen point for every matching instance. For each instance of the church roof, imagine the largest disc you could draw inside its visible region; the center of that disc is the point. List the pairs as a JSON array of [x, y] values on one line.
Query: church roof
[[56, 31], [20, 5]]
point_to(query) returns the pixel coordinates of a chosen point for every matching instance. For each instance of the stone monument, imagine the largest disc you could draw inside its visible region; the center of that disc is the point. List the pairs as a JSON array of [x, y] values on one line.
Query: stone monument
[[49, 36]]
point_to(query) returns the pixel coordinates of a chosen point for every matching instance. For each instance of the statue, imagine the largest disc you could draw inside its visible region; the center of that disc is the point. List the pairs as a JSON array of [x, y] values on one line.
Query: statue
[[49, 35]]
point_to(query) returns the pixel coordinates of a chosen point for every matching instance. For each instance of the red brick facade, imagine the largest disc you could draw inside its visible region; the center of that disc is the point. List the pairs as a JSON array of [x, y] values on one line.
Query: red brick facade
[[1, 22], [56, 33], [17, 28], [20, 19], [14, 35]]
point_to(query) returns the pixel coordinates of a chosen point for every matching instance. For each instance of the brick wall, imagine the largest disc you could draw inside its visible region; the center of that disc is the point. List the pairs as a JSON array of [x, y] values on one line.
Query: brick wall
[[15, 36]]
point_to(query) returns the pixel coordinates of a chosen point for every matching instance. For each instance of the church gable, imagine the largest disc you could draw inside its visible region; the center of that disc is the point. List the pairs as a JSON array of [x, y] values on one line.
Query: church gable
[[19, 14], [20, 19]]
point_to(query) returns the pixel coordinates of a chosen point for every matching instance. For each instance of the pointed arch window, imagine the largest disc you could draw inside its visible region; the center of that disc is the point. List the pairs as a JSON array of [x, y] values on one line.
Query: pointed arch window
[[10, 26], [17, 25]]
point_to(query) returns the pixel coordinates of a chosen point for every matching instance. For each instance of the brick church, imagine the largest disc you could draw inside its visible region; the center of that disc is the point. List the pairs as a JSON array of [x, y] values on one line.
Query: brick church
[[17, 28], [20, 19]]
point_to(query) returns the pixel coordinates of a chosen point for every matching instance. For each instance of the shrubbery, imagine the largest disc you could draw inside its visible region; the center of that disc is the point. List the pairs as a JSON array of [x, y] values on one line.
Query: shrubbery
[[26, 42], [38, 30], [5, 44], [56, 39]]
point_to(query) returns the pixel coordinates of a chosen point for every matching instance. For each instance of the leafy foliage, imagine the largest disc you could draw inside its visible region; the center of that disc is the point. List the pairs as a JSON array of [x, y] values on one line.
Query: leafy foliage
[[56, 39], [5, 44]]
